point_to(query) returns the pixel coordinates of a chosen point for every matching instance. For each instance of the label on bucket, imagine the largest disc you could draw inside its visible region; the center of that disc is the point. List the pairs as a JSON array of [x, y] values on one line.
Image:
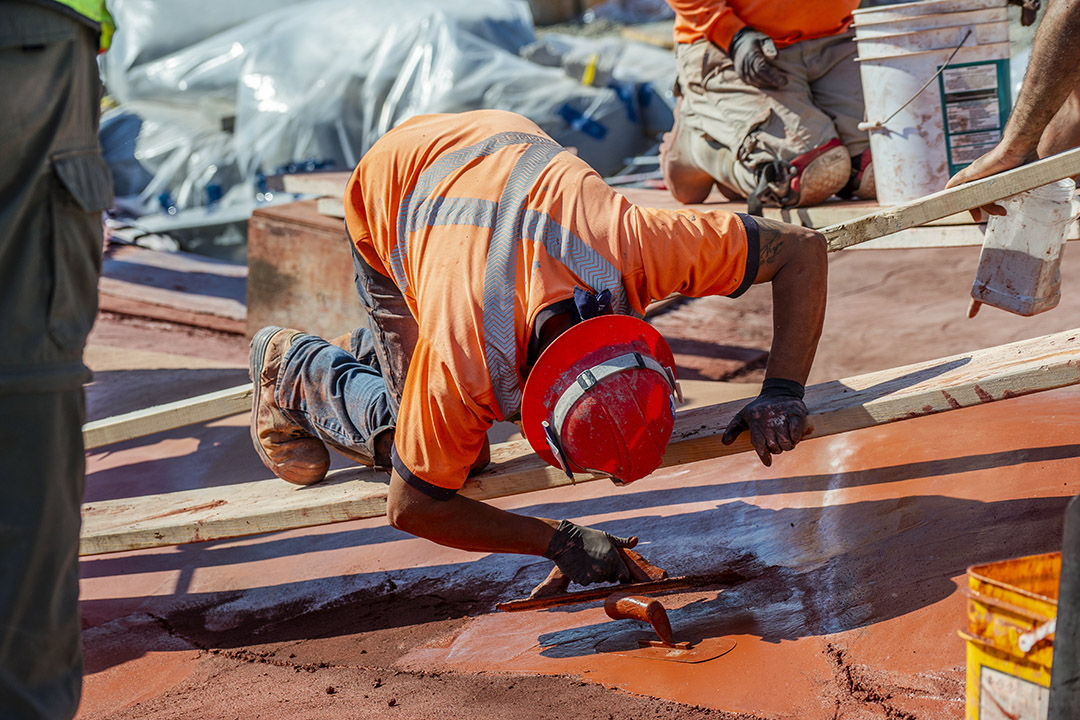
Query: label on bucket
[[975, 102], [1007, 697]]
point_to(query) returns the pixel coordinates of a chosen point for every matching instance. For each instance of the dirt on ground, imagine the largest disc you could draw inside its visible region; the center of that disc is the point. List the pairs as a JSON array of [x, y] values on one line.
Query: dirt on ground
[[339, 662]]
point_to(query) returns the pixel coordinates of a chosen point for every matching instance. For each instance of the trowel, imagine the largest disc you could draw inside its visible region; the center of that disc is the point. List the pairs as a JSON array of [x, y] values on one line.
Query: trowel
[[624, 606]]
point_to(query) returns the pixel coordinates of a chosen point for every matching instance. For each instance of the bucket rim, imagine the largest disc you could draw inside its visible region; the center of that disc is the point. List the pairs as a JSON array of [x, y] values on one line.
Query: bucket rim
[[965, 50], [935, 22], [900, 10], [895, 32], [912, 33]]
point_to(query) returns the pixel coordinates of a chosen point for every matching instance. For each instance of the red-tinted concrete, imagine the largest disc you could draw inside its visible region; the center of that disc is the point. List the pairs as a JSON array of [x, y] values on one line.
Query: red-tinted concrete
[[845, 556], [835, 571]]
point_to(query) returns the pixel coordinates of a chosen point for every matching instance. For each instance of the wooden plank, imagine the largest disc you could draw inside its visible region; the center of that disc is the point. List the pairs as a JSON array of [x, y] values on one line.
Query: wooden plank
[[816, 216], [947, 202], [324, 184], [331, 207], [658, 34], [927, 388], [139, 423], [330, 187], [134, 308], [939, 237]]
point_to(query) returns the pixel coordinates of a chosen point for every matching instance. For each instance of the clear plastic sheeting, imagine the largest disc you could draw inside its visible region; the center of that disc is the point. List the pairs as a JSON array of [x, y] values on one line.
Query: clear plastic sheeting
[[629, 11], [313, 85]]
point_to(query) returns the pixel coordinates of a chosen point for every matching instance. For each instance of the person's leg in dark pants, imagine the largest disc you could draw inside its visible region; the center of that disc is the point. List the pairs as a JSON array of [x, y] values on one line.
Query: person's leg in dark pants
[[42, 487], [344, 393], [53, 186]]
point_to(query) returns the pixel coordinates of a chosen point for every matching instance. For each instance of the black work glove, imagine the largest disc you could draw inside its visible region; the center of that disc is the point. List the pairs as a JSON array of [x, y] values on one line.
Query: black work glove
[[776, 419], [753, 53], [586, 555]]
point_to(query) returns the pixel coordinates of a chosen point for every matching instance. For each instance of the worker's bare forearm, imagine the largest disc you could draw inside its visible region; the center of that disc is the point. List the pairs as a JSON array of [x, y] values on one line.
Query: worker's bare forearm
[[464, 523], [794, 260], [1052, 74]]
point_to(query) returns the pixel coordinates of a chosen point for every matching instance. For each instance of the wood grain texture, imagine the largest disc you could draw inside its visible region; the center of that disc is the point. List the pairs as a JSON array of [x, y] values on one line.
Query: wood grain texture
[[839, 406], [139, 423], [326, 184], [948, 202]]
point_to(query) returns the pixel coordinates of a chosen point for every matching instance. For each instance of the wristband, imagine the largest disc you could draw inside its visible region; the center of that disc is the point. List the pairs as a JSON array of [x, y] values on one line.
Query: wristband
[[779, 387]]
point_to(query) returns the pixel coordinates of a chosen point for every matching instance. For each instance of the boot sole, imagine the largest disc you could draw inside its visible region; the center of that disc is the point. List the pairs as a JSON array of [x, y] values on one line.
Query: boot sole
[[824, 176], [259, 343]]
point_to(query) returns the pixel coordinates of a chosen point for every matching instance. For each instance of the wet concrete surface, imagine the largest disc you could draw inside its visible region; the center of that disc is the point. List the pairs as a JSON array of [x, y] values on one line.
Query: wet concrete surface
[[836, 571]]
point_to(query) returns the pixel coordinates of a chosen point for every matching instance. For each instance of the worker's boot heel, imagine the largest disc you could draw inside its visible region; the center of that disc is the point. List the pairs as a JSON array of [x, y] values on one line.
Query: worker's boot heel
[[289, 451], [820, 174]]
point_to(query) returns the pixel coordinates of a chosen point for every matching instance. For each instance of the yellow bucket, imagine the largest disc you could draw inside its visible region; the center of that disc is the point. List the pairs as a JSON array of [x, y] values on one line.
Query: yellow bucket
[[1009, 606]]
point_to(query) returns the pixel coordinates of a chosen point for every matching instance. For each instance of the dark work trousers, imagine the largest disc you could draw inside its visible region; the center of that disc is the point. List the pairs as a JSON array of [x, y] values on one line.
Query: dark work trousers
[[53, 186], [349, 398]]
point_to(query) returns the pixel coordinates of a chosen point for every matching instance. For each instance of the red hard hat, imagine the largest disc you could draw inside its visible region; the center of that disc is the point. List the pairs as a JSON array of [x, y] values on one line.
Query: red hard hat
[[601, 399]]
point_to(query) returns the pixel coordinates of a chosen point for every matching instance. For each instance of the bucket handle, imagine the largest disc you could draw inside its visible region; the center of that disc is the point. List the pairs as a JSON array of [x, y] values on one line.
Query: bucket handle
[[1029, 639], [880, 124]]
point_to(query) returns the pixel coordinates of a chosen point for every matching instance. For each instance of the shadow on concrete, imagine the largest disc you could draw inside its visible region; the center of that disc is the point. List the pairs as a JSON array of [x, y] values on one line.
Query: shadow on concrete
[[878, 560], [113, 392], [195, 282], [206, 554], [786, 573]]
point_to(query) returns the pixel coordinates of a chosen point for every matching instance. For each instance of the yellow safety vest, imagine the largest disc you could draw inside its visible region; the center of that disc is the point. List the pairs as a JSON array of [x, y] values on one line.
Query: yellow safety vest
[[95, 10]]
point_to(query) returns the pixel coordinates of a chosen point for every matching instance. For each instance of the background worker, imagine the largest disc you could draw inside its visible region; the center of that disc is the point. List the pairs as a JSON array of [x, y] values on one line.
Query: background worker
[[769, 102], [54, 185], [1046, 117], [485, 255]]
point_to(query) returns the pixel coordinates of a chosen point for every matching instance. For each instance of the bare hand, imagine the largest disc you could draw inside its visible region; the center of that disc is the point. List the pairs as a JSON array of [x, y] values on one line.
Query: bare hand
[[999, 159]]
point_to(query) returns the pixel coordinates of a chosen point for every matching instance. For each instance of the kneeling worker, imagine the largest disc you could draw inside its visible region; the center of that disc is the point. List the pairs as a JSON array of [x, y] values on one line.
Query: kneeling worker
[[502, 277], [770, 101]]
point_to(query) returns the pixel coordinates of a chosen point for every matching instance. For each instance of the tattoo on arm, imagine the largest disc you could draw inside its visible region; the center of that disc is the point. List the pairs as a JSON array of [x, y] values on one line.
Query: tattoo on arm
[[771, 243]]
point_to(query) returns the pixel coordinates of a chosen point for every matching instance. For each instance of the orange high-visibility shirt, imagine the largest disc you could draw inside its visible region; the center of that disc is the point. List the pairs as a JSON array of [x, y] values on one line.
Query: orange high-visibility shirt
[[483, 221], [785, 21]]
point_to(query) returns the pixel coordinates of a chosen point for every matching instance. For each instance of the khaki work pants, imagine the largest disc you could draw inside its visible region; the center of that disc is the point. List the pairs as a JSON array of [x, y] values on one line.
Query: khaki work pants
[[734, 127], [53, 186]]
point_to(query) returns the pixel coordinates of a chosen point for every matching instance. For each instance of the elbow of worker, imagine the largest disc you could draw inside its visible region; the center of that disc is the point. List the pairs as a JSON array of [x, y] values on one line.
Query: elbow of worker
[[401, 515], [815, 243], [813, 250]]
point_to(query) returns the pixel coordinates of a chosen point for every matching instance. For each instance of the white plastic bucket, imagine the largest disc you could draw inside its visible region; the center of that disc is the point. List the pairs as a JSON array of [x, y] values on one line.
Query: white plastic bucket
[[1019, 268], [901, 48], [887, 13]]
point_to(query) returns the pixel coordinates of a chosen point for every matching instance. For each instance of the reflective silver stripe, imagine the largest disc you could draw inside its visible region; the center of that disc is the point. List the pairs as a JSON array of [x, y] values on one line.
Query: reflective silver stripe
[[591, 267], [500, 276], [455, 211], [414, 203], [591, 377]]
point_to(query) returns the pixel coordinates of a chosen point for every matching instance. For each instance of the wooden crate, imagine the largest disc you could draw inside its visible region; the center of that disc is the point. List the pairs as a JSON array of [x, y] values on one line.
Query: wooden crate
[[300, 271]]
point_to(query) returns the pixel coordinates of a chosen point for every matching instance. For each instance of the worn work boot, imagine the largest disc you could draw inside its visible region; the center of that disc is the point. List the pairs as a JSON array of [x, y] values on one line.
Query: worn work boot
[[861, 183], [687, 183], [819, 174], [289, 451]]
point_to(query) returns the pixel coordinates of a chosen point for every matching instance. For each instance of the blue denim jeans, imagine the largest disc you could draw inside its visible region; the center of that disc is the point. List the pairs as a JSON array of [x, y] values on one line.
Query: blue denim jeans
[[348, 398]]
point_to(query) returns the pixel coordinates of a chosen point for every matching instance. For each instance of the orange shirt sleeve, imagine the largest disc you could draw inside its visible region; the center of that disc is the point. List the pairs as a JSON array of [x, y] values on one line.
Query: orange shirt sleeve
[[714, 20], [440, 429], [785, 21], [692, 252]]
